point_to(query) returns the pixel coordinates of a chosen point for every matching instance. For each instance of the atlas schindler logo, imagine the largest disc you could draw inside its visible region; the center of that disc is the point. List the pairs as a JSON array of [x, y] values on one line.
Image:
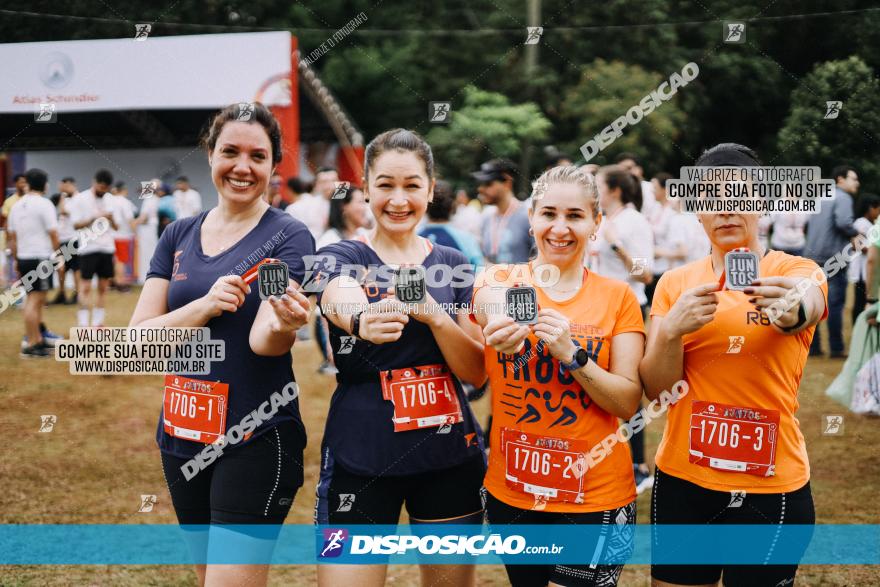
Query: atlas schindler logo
[[334, 542]]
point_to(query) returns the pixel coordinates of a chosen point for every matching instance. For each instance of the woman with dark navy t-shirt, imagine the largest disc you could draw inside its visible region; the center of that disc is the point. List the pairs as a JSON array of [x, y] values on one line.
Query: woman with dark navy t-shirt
[[399, 429], [195, 280]]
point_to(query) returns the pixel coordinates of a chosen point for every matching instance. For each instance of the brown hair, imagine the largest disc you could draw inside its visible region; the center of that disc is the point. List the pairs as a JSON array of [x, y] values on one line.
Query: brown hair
[[630, 187], [566, 174], [399, 139], [234, 113]]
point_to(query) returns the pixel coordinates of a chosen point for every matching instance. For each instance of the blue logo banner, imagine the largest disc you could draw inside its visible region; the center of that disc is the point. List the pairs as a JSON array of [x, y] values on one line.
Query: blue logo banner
[[297, 544]]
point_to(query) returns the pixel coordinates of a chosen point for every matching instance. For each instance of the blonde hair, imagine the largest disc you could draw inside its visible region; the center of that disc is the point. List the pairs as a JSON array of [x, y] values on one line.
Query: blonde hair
[[567, 174]]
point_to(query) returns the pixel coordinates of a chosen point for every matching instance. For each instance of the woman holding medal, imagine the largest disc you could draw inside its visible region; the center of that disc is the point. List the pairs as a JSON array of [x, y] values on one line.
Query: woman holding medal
[[400, 430], [733, 453], [561, 384], [195, 280]]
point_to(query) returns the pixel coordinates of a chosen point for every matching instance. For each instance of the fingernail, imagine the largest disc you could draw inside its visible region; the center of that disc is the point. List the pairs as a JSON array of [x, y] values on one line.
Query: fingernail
[[749, 290], [752, 300], [285, 298]]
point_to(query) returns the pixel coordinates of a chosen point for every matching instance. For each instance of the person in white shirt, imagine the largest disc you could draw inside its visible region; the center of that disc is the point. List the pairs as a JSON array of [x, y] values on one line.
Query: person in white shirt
[[33, 240], [146, 227], [629, 162], [624, 246], [123, 238], [670, 233], [624, 250], [96, 255], [866, 211], [187, 201], [788, 232], [313, 209], [66, 191], [468, 214]]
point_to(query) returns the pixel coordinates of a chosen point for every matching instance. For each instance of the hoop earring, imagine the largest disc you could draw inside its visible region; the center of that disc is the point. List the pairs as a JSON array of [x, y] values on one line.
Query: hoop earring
[[593, 236], [531, 232]]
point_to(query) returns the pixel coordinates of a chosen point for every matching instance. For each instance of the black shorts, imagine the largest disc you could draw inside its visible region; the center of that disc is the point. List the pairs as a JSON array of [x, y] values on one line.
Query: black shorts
[[446, 494], [676, 501], [618, 521], [26, 266], [100, 264], [251, 483], [73, 262]]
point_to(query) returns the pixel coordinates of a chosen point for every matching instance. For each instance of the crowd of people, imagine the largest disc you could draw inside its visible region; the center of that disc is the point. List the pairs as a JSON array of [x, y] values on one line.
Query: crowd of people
[[625, 255]]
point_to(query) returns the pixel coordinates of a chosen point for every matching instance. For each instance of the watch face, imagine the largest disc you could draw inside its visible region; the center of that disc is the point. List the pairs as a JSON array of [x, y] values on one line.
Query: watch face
[[272, 279], [581, 356], [522, 304], [740, 269]]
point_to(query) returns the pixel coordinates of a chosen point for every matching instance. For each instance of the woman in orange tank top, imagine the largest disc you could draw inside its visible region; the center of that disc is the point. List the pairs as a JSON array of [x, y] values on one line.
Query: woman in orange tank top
[[561, 384]]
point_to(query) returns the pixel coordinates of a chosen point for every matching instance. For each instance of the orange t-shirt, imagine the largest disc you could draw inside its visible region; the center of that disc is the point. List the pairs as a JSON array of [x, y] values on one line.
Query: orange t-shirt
[[531, 395], [739, 360]]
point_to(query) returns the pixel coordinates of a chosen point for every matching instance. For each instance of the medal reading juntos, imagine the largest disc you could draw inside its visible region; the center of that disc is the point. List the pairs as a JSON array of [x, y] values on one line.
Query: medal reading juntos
[[271, 276], [409, 284], [740, 269], [522, 304]]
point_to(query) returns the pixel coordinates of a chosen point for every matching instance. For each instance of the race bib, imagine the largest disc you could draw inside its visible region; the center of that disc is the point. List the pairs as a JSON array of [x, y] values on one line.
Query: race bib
[[195, 409], [547, 467], [731, 438], [423, 397]]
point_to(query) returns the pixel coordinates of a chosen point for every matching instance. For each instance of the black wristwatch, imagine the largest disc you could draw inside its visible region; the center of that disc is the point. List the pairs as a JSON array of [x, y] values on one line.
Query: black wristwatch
[[581, 358], [802, 319], [356, 325]]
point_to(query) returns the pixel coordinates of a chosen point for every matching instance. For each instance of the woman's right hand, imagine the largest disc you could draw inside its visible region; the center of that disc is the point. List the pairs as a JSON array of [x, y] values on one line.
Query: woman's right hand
[[226, 295], [504, 335], [383, 322], [692, 310]]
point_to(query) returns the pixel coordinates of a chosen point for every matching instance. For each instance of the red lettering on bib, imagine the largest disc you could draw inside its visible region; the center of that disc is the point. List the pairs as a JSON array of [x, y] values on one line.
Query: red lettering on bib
[[732, 438], [550, 468], [423, 397], [195, 409]]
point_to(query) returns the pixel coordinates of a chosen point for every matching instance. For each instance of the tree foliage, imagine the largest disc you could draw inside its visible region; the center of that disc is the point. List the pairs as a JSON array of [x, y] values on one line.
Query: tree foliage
[[485, 127], [808, 138]]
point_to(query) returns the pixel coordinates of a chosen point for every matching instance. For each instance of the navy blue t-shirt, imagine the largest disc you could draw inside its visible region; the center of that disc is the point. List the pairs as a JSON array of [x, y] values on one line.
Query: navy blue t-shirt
[[251, 378], [360, 433]]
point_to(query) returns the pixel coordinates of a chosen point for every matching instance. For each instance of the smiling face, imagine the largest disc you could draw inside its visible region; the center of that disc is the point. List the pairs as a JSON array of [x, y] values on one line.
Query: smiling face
[[399, 191], [563, 220], [241, 162]]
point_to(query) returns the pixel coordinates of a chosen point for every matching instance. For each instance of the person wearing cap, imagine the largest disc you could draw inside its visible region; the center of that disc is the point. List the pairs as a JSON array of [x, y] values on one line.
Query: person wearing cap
[[732, 452], [505, 229]]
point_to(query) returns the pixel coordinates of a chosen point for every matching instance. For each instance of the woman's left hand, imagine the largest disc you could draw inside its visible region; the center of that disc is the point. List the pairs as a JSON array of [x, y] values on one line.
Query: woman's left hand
[[292, 311], [554, 329]]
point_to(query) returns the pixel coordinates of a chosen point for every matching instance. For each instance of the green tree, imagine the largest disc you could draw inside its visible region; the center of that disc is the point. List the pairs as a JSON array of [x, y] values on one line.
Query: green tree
[[486, 126], [808, 138], [605, 92]]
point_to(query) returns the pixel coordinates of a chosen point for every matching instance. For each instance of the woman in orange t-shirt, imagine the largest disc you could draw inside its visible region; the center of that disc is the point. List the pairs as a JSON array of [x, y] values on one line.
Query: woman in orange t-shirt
[[733, 452], [560, 385]]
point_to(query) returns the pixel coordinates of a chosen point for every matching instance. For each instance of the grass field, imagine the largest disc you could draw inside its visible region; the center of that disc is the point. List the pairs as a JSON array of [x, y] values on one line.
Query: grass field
[[101, 456]]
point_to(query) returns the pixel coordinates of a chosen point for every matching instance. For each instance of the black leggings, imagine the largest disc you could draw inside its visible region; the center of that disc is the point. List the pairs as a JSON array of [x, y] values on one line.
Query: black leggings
[[251, 483], [676, 501], [619, 521]]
